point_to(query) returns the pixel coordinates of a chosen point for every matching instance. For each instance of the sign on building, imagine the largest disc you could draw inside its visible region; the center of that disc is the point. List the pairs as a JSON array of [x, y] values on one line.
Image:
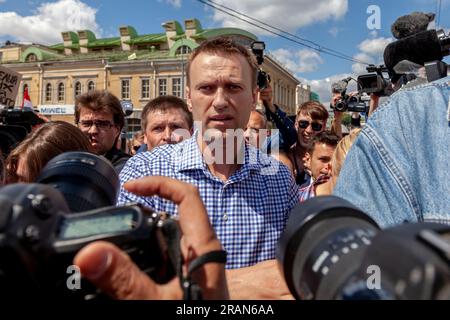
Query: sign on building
[[9, 85], [62, 109]]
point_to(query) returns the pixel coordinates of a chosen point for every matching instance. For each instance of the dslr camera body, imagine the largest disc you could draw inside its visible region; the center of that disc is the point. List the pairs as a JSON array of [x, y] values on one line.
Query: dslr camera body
[[15, 124], [43, 226], [263, 78]]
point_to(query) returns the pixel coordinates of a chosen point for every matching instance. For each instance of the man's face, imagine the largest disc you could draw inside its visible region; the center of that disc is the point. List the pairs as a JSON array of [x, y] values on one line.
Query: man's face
[[102, 135], [305, 134], [165, 127], [220, 92], [255, 126], [319, 161]]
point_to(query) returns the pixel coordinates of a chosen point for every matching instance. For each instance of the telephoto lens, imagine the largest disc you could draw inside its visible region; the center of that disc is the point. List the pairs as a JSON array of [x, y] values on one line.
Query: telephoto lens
[[319, 251], [87, 181]]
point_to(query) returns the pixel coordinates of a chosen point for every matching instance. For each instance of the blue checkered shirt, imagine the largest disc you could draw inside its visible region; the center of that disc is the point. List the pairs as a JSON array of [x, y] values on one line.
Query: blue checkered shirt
[[248, 212]]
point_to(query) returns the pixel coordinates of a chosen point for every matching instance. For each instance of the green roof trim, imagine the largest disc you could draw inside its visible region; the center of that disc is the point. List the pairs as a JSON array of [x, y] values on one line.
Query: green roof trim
[[132, 31], [74, 37], [198, 25], [90, 35], [58, 46], [41, 54], [148, 39], [106, 42], [178, 28], [212, 33], [182, 42]]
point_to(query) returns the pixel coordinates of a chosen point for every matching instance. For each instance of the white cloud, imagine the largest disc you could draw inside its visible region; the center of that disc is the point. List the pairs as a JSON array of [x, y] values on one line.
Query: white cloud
[[49, 21], [2, 1], [288, 15], [371, 51], [301, 61], [174, 3]]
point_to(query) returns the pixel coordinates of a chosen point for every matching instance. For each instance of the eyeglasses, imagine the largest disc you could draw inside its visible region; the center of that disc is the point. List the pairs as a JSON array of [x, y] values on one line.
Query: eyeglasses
[[314, 125], [100, 124]]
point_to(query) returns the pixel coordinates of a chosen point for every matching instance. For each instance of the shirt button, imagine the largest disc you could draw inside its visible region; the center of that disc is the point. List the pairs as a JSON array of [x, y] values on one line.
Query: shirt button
[[225, 217]]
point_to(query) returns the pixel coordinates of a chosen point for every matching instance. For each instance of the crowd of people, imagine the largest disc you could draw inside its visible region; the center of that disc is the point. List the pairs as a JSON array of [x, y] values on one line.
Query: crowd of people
[[214, 162]]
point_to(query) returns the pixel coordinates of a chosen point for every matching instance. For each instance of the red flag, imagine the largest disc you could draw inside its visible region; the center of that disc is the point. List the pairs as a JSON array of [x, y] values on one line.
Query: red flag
[[26, 99]]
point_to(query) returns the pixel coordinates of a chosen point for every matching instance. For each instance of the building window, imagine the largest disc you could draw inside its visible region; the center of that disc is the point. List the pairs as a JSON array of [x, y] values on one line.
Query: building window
[[61, 92], [176, 87], [91, 85], [183, 50], [77, 88], [31, 58], [48, 92], [162, 87], [145, 89], [125, 89]]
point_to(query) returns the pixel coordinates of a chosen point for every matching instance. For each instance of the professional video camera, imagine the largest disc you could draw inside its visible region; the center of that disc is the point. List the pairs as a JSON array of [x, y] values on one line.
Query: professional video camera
[[15, 124], [332, 250], [40, 233], [375, 81], [426, 48], [263, 78]]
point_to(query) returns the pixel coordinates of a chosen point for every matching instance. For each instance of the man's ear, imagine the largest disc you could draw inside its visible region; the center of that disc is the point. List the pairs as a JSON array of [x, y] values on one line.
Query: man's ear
[[255, 95], [188, 98]]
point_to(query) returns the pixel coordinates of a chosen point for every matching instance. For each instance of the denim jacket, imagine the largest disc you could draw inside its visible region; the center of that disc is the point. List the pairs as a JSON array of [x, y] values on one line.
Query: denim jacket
[[399, 167]]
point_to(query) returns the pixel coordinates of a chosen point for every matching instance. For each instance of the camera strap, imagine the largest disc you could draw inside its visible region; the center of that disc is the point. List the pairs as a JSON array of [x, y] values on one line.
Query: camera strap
[[191, 290]]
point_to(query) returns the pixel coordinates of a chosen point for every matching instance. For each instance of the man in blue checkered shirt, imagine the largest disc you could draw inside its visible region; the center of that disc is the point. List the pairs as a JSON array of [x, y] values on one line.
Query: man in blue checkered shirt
[[248, 195]]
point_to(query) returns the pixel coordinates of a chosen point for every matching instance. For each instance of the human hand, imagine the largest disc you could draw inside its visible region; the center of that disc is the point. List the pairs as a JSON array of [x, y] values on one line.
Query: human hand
[[112, 270]]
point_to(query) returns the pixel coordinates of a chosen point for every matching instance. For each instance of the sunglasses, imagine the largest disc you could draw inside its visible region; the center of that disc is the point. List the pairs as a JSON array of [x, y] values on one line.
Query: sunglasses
[[314, 125]]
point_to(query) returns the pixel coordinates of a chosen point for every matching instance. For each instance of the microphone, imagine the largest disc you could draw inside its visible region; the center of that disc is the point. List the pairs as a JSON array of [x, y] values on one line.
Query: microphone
[[341, 85], [411, 24], [419, 48]]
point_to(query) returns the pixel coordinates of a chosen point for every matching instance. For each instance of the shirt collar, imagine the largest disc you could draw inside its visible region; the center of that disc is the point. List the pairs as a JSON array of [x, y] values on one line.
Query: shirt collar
[[192, 159]]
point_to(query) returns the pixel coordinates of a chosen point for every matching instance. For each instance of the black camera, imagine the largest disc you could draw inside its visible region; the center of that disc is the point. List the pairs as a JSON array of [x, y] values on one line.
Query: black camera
[[351, 103], [375, 81], [332, 250], [40, 234], [263, 78], [15, 124]]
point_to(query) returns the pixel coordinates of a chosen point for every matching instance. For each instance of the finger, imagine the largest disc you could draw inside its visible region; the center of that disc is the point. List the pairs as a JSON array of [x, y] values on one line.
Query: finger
[[194, 221], [112, 271]]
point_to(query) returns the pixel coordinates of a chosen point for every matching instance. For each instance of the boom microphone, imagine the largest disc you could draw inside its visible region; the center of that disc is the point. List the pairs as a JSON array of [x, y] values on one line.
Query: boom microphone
[[419, 48]]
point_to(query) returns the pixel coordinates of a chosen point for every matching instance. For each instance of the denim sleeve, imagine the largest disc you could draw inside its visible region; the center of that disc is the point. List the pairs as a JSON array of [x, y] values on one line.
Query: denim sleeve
[[373, 182], [288, 134]]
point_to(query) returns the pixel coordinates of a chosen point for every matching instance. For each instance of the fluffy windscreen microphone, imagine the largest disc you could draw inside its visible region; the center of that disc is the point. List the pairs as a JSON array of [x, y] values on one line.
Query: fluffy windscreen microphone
[[410, 24], [419, 48]]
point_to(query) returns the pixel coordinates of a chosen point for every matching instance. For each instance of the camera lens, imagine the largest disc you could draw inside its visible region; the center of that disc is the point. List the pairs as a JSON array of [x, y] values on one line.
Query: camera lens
[[87, 181], [324, 239], [341, 106]]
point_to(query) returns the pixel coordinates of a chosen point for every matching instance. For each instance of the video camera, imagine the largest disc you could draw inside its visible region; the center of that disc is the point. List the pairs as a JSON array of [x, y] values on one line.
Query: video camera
[[375, 81], [332, 250], [15, 124], [263, 78], [43, 225]]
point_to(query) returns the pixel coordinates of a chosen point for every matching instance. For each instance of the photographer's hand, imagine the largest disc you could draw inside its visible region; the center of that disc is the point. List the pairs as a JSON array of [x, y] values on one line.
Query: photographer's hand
[[374, 101], [266, 97], [111, 269]]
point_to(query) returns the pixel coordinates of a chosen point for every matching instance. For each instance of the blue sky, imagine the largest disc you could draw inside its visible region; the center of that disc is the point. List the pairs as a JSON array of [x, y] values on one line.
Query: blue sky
[[337, 24]]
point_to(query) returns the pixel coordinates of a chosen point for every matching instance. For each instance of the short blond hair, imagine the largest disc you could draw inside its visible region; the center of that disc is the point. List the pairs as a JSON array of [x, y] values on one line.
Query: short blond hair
[[341, 151]]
